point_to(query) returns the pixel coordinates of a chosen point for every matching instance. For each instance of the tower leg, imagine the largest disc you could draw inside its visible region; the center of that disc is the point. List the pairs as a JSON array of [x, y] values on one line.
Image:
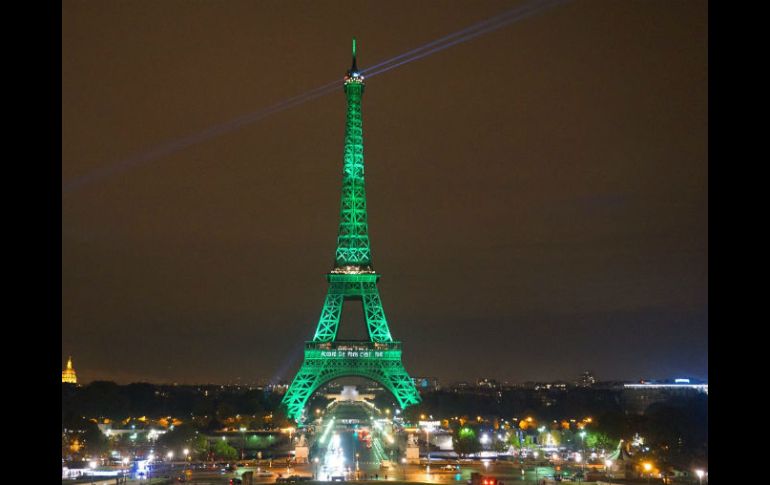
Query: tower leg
[[302, 387], [330, 315], [376, 323], [401, 385]]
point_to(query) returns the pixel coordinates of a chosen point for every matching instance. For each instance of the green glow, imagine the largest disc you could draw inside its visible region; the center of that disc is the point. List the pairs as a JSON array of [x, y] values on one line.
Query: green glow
[[326, 358], [353, 237], [353, 286]]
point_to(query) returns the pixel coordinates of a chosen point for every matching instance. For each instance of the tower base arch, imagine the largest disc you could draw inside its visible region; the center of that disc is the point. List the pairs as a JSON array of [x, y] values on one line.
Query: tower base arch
[[324, 362]]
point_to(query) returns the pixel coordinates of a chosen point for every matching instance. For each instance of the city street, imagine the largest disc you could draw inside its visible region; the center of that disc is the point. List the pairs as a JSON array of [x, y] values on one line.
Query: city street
[[407, 473]]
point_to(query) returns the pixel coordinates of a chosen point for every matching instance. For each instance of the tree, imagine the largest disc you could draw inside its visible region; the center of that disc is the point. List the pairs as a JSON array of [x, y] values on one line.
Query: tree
[[515, 440], [550, 438], [123, 444], [412, 413], [253, 423], [568, 437], [200, 447], [95, 441], [678, 429], [224, 451], [100, 398], [466, 442], [280, 418], [224, 411], [177, 437], [143, 399], [617, 425], [500, 446], [529, 442], [599, 440], [213, 425]]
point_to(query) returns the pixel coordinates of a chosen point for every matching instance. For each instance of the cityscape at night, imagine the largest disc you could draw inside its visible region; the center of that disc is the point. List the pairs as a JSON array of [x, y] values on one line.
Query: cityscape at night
[[518, 288]]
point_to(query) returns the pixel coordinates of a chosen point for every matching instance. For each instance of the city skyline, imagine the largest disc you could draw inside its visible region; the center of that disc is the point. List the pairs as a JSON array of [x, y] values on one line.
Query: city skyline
[[537, 195], [265, 380]]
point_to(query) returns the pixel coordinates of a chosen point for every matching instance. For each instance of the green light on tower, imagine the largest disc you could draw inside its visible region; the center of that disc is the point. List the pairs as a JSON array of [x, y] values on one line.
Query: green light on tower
[[352, 278]]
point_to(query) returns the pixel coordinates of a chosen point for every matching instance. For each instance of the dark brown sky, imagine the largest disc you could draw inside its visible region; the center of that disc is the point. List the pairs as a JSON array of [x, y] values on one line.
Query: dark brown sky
[[537, 195]]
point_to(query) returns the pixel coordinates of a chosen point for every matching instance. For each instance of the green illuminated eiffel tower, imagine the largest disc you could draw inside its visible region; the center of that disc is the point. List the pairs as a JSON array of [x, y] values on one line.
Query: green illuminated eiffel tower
[[352, 278]]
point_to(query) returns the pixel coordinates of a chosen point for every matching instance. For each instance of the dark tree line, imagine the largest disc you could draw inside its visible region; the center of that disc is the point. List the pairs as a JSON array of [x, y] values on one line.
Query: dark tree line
[[114, 401], [545, 404]]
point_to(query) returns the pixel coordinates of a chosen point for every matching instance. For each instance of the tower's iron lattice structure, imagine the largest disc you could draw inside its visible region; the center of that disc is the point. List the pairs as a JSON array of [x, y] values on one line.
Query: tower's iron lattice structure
[[352, 278]]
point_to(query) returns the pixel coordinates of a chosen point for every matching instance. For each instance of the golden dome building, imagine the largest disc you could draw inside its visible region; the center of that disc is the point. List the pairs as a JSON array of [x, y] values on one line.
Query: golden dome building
[[68, 375]]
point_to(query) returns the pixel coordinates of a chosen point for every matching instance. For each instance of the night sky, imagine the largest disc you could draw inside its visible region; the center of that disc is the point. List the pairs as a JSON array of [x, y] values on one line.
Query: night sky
[[537, 195]]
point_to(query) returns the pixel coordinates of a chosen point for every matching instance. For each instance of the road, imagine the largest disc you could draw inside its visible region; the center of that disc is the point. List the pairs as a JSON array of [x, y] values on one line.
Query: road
[[352, 442], [342, 451], [411, 473]]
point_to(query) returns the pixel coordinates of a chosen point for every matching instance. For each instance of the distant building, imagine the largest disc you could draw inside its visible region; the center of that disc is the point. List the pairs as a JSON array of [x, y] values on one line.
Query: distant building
[[350, 393], [609, 385], [279, 388], [372, 387], [426, 383], [68, 375], [540, 386], [486, 382], [639, 396], [558, 386], [586, 379], [671, 384], [331, 387], [461, 387]]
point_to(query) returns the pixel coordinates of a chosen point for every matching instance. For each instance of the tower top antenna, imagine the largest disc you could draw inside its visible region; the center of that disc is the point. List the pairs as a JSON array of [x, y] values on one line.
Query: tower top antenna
[[353, 75]]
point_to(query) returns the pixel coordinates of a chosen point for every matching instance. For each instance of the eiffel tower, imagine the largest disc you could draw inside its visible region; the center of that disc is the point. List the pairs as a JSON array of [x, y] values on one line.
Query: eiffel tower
[[352, 278]]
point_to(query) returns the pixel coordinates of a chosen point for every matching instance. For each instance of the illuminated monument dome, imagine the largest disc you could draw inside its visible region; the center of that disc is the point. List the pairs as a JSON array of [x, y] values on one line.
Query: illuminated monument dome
[[68, 375], [352, 278]]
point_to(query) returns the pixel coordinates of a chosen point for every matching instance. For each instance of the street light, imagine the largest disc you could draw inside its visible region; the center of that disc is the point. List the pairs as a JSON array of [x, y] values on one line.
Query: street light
[[648, 468], [607, 467], [92, 465], [125, 463], [699, 473], [243, 440], [579, 459]]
